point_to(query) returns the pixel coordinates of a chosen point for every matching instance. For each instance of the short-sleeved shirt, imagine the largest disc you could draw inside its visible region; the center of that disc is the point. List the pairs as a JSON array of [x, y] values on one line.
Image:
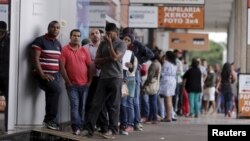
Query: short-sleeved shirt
[[193, 80], [76, 62], [50, 53], [111, 69], [92, 51]]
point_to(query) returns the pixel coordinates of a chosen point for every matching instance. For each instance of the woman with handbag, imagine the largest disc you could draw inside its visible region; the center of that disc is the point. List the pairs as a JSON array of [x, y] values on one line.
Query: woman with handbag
[[127, 105], [151, 86]]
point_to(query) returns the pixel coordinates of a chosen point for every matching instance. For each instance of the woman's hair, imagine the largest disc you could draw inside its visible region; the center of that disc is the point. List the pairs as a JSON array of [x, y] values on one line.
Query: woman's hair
[[195, 63], [226, 72], [171, 57]]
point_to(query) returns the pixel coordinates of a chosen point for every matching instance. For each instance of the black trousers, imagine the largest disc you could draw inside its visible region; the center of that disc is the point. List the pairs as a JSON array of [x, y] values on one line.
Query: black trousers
[[108, 93], [102, 120]]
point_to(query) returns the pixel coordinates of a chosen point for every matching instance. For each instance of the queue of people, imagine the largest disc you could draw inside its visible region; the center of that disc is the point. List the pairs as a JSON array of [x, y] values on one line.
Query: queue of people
[[93, 71]]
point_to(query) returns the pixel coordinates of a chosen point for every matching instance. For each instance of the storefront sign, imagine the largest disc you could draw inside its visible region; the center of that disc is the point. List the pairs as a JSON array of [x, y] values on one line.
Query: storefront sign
[[169, 1], [143, 17], [188, 41], [97, 15], [189, 17], [4, 1], [244, 96]]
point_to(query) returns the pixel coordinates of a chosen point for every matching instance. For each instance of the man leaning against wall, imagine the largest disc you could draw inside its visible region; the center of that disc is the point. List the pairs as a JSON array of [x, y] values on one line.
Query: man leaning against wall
[[46, 51]]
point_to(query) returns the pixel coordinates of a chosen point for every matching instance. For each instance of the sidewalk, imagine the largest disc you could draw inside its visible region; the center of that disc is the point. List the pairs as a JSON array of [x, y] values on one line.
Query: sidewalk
[[185, 129]]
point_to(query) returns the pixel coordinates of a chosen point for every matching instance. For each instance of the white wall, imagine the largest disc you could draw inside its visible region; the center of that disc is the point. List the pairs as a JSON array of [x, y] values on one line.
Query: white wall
[[34, 16]]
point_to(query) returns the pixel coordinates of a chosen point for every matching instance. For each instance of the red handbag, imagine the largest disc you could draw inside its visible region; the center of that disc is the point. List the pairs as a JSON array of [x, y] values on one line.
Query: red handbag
[[143, 69]]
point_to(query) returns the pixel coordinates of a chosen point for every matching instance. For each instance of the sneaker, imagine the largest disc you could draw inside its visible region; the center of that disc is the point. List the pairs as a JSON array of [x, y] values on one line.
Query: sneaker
[[140, 125], [77, 132], [108, 135], [137, 128], [51, 125], [123, 132], [129, 129], [174, 119]]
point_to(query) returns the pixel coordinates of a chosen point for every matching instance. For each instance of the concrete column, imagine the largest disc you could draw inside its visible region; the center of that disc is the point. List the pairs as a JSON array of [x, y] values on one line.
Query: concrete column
[[231, 37], [240, 46]]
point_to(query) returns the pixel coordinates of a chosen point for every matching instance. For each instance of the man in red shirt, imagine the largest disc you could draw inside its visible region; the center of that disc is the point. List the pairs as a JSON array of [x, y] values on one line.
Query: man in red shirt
[[75, 67]]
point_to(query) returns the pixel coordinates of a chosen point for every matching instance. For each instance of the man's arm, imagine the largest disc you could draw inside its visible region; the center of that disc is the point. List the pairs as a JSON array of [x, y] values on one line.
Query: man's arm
[[145, 53], [90, 72], [64, 73], [99, 60], [115, 55]]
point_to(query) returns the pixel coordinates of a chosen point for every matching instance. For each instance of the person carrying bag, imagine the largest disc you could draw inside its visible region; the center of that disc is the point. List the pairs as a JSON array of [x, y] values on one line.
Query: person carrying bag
[[151, 88], [152, 84]]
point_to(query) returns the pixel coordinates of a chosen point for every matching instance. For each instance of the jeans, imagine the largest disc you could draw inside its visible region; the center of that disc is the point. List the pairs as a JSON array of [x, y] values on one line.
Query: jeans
[[226, 91], [130, 111], [77, 97], [228, 101], [137, 98], [161, 106], [52, 92], [131, 86], [218, 101], [123, 113], [153, 107], [130, 101], [145, 105]]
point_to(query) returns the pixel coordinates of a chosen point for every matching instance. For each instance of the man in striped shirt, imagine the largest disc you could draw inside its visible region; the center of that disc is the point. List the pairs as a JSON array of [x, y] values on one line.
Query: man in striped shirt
[[46, 53]]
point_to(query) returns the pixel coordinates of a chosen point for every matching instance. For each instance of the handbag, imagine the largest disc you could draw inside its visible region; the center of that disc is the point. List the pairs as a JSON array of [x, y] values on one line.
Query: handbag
[[153, 87], [124, 89]]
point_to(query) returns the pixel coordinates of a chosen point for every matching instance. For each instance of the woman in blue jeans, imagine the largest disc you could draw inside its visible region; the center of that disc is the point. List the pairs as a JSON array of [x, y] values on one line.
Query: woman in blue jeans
[[154, 73], [127, 114], [227, 77]]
